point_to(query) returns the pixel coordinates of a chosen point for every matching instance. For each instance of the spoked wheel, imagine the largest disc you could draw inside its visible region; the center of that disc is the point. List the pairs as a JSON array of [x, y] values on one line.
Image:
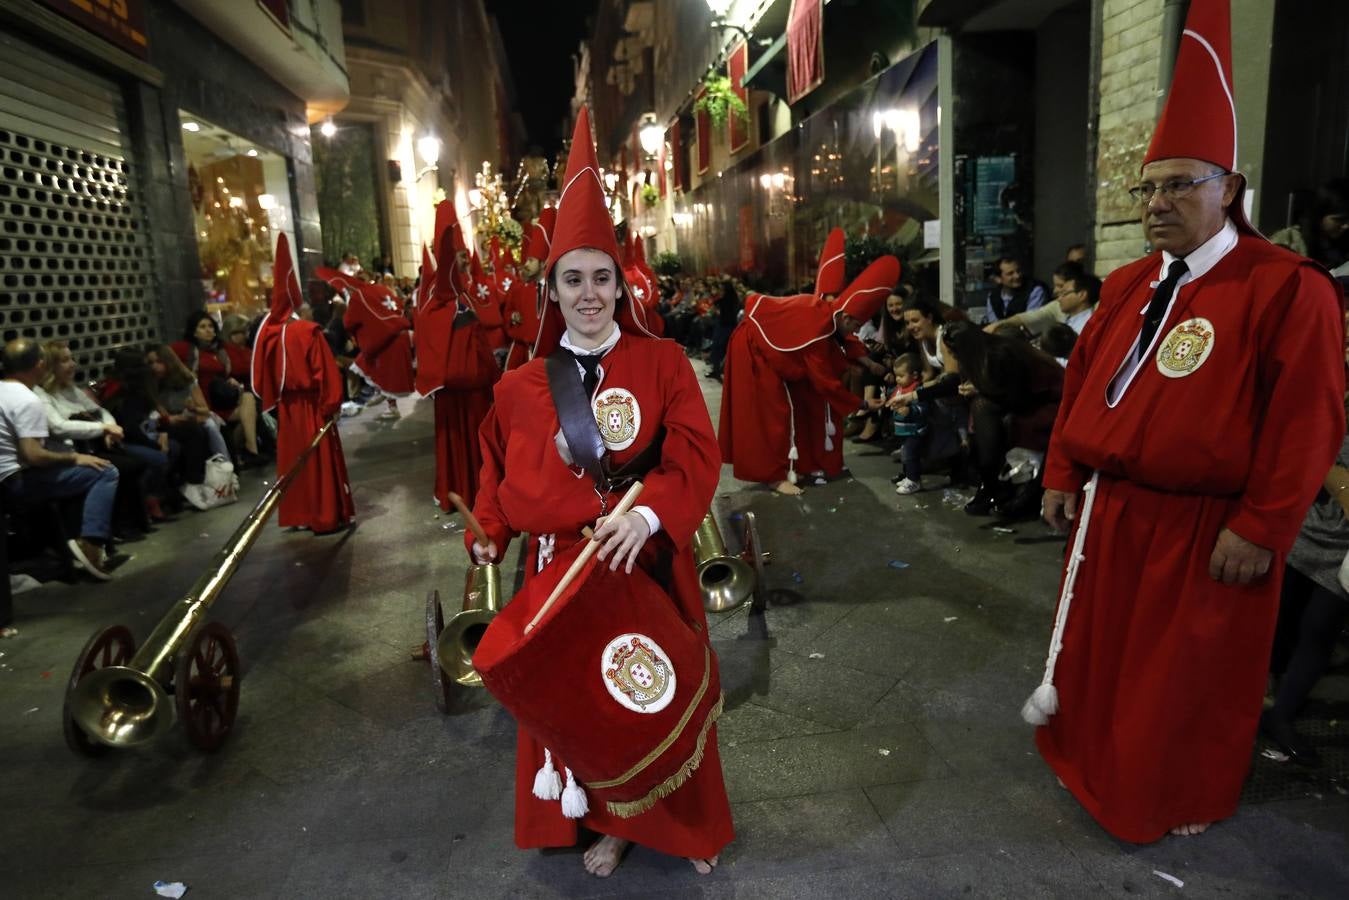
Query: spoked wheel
[[113, 646], [754, 554], [435, 624], [206, 685]]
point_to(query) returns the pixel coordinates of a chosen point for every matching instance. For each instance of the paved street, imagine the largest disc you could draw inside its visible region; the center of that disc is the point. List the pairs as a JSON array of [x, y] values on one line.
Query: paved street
[[871, 741]]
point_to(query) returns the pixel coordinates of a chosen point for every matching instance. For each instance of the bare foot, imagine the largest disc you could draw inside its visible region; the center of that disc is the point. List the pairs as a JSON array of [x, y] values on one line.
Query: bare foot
[[704, 866], [787, 488], [1191, 830], [604, 856]]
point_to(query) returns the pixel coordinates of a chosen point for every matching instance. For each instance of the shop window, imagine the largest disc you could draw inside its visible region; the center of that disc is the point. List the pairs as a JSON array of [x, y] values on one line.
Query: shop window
[[241, 200]]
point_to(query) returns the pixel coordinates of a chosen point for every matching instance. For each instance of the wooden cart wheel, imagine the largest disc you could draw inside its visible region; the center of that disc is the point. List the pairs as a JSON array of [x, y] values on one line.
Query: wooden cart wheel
[[206, 685], [435, 624], [112, 646], [754, 554]]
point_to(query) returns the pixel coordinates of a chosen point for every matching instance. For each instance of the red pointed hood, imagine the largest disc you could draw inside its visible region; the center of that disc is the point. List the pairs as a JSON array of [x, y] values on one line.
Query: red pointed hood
[[286, 294], [832, 272], [863, 298], [541, 234], [1199, 120], [583, 222]]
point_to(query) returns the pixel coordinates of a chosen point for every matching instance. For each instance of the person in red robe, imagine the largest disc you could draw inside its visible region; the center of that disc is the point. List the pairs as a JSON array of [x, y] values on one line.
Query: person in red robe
[[784, 398], [520, 293], [455, 361], [528, 485], [374, 319], [1201, 408], [293, 371], [641, 281]]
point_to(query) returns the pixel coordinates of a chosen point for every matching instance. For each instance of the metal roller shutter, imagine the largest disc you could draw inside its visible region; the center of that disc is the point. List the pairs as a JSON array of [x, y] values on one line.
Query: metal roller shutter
[[75, 259]]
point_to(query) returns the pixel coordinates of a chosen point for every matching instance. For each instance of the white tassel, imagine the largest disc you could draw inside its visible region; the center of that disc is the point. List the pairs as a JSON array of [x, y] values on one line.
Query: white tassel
[[828, 444], [574, 802], [829, 428], [792, 454], [547, 783], [1044, 700], [791, 476], [1041, 704]]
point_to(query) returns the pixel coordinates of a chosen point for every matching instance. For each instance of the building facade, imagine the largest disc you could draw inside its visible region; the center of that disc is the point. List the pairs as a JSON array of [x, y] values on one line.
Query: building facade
[[153, 151]]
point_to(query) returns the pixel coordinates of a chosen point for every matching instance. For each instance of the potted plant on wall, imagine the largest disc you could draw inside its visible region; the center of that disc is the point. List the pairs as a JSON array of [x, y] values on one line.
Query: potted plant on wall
[[720, 102], [650, 196]]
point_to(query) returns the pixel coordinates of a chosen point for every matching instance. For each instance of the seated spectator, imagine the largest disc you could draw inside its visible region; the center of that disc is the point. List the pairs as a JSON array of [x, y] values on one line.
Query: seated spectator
[[234, 331], [942, 412], [727, 315], [75, 421], [1014, 393], [1059, 342], [30, 473], [221, 370], [193, 432], [1077, 253], [1322, 230], [886, 339], [1075, 296], [1013, 292]]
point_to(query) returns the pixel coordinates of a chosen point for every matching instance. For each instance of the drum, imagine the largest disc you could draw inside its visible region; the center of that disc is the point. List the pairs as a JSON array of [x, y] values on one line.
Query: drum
[[612, 680]]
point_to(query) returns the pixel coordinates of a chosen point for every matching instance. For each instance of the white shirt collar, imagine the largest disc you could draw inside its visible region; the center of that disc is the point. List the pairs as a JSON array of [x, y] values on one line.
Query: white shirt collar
[[1205, 256], [1078, 320], [603, 348]]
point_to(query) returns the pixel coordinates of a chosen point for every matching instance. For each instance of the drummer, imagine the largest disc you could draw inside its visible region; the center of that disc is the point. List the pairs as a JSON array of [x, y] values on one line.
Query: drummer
[[650, 413]]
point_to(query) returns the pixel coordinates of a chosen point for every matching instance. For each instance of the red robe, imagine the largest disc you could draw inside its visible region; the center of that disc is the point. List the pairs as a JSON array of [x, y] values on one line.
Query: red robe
[[526, 487], [784, 400], [520, 318], [293, 369], [1162, 670], [375, 319]]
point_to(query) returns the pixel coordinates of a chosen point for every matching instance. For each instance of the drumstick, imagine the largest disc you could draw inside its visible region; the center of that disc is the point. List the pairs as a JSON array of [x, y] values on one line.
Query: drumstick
[[470, 521], [584, 557]]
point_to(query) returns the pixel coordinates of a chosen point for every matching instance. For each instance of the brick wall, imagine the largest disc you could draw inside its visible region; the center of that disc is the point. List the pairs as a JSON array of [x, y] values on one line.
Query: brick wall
[[1130, 58]]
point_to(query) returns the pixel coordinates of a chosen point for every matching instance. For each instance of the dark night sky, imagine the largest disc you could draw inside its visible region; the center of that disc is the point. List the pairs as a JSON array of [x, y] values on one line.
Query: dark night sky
[[540, 44]]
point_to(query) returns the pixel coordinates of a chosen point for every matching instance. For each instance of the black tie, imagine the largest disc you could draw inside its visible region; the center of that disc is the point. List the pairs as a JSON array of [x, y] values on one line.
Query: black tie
[[1152, 319], [591, 363]]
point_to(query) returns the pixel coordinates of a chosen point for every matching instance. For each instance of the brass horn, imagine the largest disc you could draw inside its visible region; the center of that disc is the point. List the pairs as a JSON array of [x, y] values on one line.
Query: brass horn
[[122, 706], [460, 637], [726, 581]]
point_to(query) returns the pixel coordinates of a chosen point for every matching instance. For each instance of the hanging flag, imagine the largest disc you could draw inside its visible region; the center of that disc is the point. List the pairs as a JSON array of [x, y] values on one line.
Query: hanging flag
[[736, 65], [805, 48], [703, 121]]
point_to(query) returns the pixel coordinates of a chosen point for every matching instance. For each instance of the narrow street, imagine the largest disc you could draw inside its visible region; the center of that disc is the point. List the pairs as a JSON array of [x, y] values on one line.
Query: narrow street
[[872, 741]]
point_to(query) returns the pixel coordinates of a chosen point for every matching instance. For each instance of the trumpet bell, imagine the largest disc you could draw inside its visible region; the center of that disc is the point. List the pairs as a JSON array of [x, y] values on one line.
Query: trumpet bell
[[121, 707], [459, 639], [726, 582]]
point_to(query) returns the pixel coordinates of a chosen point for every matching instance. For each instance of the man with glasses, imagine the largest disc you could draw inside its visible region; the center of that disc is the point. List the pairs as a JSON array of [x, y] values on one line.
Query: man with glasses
[[1201, 410]]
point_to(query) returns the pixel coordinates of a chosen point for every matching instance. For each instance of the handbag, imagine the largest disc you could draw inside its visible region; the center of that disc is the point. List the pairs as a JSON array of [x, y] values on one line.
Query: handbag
[[220, 487]]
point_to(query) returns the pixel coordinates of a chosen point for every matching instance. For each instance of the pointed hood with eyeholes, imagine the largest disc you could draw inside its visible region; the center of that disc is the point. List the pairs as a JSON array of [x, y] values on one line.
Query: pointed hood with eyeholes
[[583, 222], [833, 271], [1199, 120], [267, 369], [796, 322]]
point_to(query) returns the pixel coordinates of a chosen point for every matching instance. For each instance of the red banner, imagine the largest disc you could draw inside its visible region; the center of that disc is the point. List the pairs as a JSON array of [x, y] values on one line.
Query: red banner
[[736, 66], [681, 158], [704, 126], [805, 48], [120, 22]]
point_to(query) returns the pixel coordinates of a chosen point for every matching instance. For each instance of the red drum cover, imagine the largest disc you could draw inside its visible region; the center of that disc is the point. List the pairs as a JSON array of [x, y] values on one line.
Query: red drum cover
[[612, 680]]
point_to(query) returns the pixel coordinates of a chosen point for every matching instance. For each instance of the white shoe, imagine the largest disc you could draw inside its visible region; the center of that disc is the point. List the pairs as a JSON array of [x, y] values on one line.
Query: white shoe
[[390, 413], [351, 409], [908, 486]]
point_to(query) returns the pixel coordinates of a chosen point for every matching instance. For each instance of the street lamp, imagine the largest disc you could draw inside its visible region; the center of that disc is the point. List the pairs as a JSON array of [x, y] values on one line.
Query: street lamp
[[428, 148], [328, 129], [651, 135]]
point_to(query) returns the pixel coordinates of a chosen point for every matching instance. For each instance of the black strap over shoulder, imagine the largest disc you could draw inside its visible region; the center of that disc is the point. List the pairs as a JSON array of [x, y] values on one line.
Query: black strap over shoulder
[[575, 415]]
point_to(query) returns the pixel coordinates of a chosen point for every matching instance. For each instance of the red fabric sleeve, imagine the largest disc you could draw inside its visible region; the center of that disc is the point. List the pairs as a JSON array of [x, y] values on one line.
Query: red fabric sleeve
[[679, 490], [1061, 473], [324, 369], [823, 374], [1302, 374], [486, 505]]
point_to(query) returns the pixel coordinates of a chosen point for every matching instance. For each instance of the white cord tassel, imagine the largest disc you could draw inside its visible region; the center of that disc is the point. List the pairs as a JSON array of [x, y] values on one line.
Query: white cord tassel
[[792, 455], [547, 783], [1044, 701], [574, 802]]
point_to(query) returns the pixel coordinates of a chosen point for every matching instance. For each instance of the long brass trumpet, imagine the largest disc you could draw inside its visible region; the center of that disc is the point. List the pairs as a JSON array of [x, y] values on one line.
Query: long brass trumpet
[[126, 705], [727, 581], [459, 639]]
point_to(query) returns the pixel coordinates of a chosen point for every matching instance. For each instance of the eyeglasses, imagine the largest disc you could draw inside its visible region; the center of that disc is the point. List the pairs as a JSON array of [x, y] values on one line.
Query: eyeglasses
[[1173, 189]]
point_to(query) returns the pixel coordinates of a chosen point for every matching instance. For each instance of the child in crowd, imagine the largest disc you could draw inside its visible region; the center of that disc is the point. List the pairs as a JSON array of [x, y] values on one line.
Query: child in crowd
[[908, 424]]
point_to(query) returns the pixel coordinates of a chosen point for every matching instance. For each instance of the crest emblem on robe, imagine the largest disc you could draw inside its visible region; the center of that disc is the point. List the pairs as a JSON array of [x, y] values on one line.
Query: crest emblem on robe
[[618, 417], [1185, 348], [637, 673]]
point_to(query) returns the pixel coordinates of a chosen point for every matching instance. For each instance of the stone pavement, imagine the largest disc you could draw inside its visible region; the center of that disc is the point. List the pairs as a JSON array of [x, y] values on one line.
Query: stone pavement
[[871, 742]]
